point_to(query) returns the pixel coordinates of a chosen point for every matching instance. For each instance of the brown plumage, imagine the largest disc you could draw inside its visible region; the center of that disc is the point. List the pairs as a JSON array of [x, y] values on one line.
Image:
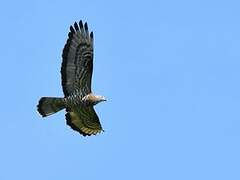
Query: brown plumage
[[77, 68]]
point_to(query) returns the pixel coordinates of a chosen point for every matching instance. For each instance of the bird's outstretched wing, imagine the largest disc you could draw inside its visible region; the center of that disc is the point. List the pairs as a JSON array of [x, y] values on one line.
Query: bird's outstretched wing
[[77, 68], [77, 65], [84, 120]]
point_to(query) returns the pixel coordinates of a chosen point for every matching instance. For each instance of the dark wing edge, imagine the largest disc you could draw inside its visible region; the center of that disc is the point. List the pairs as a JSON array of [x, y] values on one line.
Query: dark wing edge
[[84, 120], [77, 54]]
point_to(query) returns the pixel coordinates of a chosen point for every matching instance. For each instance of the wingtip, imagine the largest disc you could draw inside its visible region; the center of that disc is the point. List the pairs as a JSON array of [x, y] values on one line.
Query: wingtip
[[72, 29], [86, 26], [91, 35], [80, 24], [76, 26]]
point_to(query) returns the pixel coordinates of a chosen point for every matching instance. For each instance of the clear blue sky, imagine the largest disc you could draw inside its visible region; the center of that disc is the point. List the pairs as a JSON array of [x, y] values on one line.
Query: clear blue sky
[[170, 71]]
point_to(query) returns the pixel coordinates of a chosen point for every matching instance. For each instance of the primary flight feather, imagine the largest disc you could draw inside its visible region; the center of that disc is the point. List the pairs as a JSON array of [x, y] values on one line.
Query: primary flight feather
[[76, 71]]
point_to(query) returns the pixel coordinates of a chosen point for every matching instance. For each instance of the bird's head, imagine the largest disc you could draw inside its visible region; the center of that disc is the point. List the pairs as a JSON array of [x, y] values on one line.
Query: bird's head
[[100, 99]]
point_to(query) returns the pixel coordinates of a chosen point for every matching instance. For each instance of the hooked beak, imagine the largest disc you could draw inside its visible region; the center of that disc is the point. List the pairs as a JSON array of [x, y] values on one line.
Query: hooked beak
[[104, 99]]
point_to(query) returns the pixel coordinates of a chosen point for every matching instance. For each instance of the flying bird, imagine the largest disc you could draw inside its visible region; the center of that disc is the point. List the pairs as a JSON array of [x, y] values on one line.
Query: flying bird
[[76, 71]]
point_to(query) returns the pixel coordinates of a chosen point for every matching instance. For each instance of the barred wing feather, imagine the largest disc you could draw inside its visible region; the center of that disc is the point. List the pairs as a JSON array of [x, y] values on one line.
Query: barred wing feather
[[77, 65], [84, 120], [77, 68]]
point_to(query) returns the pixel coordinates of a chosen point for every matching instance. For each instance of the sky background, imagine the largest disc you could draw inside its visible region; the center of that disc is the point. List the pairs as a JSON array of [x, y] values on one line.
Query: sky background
[[170, 72]]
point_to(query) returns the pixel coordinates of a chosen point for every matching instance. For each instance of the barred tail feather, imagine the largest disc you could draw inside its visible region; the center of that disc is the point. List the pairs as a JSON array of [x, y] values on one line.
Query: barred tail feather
[[50, 105]]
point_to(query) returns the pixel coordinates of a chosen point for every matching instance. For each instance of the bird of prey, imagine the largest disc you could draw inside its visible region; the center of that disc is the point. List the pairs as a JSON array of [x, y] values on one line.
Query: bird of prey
[[76, 71]]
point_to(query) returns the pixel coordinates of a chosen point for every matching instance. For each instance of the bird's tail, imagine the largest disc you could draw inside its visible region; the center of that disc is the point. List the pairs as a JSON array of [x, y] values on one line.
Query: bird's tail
[[50, 105]]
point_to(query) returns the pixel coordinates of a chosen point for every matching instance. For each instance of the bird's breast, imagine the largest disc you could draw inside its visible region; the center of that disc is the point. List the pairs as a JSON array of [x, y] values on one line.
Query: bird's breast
[[74, 100]]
